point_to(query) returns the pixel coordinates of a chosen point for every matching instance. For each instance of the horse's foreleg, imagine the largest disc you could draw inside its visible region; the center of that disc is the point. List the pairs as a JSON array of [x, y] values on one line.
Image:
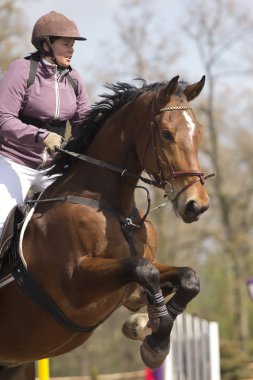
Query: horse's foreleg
[[97, 278], [105, 276], [155, 346], [185, 283]]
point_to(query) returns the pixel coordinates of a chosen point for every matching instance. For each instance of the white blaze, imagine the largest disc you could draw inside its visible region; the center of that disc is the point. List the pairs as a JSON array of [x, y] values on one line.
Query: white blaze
[[190, 124]]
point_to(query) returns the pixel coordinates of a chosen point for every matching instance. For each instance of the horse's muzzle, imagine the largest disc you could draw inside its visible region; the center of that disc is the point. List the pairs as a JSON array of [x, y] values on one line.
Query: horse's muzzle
[[193, 211]]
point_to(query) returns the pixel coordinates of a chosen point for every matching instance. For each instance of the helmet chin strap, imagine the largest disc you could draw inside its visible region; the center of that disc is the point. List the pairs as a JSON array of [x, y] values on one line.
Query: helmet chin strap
[[50, 52]]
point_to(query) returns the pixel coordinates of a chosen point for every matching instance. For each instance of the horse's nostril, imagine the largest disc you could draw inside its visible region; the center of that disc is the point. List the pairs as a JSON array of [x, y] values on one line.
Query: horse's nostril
[[192, 208]]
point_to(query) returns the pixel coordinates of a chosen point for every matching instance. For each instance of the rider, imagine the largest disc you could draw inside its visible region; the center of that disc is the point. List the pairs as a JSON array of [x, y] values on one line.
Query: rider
[[33, 115]]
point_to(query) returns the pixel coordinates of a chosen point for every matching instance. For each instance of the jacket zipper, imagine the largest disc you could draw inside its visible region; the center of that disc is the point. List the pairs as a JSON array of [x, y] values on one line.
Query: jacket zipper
[[57, 107], [57, 98], [57, 93]]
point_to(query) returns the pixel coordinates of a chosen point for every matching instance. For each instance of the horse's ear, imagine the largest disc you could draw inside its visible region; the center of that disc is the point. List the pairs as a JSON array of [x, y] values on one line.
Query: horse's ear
[[172, 85], [167, 91], [193, 90]]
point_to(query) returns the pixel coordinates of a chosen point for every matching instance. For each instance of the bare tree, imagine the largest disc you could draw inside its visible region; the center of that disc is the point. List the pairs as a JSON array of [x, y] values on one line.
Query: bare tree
[[142, 50], [221, 31]]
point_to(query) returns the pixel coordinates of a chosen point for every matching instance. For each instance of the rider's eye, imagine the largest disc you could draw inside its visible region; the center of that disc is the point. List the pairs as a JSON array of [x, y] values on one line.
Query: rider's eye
[[168, 135]]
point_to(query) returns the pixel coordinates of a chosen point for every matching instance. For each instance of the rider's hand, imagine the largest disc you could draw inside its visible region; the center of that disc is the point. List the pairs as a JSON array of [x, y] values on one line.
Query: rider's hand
[[52, 141]]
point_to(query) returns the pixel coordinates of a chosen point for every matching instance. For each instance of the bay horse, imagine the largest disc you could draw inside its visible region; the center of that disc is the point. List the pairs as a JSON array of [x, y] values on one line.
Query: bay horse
[[87, 249]]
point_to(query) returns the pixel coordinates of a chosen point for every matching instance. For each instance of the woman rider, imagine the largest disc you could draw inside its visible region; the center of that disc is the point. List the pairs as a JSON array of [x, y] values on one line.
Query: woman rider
[[33, 116]]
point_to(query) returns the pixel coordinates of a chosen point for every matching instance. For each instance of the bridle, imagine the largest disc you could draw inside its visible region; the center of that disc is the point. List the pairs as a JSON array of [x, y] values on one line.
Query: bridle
[[168, 182]]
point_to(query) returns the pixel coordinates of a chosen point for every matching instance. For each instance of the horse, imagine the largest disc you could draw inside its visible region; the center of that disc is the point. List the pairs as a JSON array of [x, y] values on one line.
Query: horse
[[86, 249]]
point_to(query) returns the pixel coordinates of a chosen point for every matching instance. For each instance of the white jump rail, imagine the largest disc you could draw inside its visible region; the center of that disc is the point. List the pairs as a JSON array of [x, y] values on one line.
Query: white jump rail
[[195, 353]]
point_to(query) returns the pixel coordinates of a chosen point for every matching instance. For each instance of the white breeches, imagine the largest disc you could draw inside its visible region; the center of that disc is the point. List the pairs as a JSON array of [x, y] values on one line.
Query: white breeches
[[15, 182]]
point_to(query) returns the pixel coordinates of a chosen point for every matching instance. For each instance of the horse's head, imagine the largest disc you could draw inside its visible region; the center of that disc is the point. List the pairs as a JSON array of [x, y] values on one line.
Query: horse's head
[[171, 155]]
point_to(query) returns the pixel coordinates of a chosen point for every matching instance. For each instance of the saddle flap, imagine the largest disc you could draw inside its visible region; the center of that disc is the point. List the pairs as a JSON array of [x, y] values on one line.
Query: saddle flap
[[12, 225]]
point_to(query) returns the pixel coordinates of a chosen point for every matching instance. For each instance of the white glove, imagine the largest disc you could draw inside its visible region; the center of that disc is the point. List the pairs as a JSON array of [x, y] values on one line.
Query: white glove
[[52, 141]]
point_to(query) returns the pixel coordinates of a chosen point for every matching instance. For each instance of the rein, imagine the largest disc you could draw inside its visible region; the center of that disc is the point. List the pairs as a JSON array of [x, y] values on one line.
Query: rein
[[103, 164]]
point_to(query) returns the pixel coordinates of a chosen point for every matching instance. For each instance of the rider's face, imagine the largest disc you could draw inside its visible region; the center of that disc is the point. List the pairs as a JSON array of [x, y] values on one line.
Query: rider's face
[[63, 50]]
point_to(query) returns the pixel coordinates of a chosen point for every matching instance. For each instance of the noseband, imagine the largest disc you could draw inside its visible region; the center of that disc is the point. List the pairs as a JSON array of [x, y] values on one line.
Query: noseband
[[168, 183]]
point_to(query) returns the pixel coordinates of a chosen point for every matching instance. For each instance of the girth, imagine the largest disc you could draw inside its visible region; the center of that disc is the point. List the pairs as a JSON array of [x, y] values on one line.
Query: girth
[[56, 126]]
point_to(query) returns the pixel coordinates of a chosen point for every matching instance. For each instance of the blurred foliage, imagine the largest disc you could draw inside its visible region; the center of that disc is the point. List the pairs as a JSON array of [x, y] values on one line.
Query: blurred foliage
[[94, 374], [14, 33], [234, 363]]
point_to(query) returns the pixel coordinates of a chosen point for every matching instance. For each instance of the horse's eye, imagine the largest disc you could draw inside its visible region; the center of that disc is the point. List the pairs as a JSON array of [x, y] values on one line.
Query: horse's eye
[[168, 135]]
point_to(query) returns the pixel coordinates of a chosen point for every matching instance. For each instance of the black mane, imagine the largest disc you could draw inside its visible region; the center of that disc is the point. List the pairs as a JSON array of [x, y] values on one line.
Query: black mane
[[99, 113]]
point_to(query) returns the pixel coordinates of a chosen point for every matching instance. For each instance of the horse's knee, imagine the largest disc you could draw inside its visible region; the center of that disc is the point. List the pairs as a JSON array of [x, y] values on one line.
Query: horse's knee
[[190, 281], [147, 275]]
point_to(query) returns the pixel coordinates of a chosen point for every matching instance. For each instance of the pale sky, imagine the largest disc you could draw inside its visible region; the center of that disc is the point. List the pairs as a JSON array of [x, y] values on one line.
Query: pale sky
[[96, 21]]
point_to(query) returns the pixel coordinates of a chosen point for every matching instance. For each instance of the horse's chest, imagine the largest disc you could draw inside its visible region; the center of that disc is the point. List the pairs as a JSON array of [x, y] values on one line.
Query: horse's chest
[[122, 245], [105, 236]]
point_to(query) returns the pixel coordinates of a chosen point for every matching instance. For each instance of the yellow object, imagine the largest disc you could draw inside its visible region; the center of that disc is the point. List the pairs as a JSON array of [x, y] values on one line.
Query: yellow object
[[43, 369]]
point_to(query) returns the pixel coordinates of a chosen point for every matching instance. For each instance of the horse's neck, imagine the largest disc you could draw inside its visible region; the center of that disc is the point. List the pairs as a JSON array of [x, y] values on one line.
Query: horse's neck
[[105, 185], [115, 145], [110, 186]]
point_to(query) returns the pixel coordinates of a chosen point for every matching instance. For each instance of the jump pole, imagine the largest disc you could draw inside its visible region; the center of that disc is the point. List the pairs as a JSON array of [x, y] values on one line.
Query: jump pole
[[43, 369]]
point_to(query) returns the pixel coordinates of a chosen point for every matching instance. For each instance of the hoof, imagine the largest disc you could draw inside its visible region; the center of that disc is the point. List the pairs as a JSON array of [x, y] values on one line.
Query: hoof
[[137, 327], [151, 358]]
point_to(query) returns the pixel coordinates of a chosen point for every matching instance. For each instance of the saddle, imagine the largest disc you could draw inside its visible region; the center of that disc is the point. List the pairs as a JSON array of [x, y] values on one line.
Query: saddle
[[11, 230], [12, 225]]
